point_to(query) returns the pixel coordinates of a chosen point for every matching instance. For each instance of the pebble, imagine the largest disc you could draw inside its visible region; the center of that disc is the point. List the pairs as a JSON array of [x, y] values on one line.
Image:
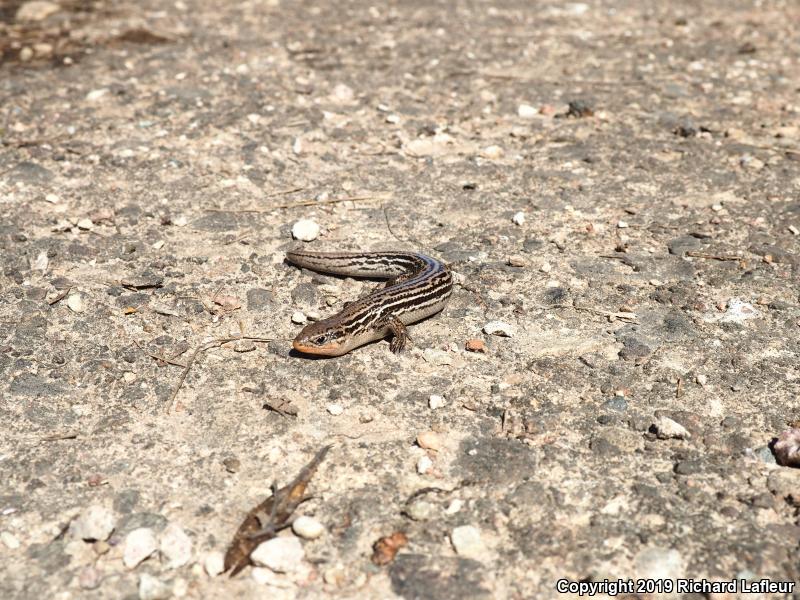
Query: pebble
[[52, 199], [622, 225], [75, 303], [518, 218], [475, 345], [546, 267], [435, 356], [214, 563], [175, 546], [94, 523], [455, 505], [307, 527], [305, 230], [343, 93], [298, 317], [429, 440], [787, 448], [739, 311], [271, 578], [467, 541], [139, 545], [41, 262], [666, 428], [89, 578], [26, 54], [526, 111], [498, 328], [436, 401], [37, 10], [492, 152], [152, 588], [85, 224], [96, 94], [421, 510], [701, 379], [335, 409], [9, 540], [424, 464], [657, 562], [281, 554]]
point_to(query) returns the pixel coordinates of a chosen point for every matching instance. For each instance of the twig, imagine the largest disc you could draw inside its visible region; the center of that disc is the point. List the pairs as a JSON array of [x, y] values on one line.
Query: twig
[[296, 204], [203, 348], [622, 316], [158, 357], [679, 388], [71, 435], [695, 254]]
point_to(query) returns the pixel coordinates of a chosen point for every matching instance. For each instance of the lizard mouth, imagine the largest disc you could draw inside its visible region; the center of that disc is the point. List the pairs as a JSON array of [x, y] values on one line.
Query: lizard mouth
[[326, 350]]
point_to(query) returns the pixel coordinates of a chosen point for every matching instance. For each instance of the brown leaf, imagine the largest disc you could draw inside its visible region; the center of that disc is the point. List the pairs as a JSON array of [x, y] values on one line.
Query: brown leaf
[[265, 520], [386, 548]]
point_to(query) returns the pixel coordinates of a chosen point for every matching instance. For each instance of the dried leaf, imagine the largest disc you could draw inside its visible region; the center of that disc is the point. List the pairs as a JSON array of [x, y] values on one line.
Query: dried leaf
[[386, 548], [265, 520]]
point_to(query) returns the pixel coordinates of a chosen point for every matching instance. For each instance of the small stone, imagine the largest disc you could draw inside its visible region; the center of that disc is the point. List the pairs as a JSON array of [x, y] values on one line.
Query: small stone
[[95, 95], [52, 199], [793, 230], [454, 506], [421, 510], [546, 267], [305, 230], [75, 303], [90, 578], [140, 544], [181, 221], [518, 218], [492, 152], [424, 464], [475, 345], [467, 542], [516, 261], [94, 523], [214, 563], [26, 54], [335, 409], [622, 224], [158, 245], [85, 224], [175, 546], [41, 262], [716, 207], [152, 588], [701, 379], [498, 328], [307, 527], [281, 554], [436, 401], [298, 317], [526, 111], [264, 576], [429, 440], [657, 562], [9, 540], [666, 428], [343, 93], [787, 448], [36, 10], [43, 49]]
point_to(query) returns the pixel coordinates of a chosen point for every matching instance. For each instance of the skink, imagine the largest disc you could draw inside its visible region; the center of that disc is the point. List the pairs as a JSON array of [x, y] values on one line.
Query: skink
[[418, 287]]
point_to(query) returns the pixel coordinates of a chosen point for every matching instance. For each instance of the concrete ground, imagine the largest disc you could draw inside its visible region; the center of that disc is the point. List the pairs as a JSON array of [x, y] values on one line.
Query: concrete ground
[[615, 181]]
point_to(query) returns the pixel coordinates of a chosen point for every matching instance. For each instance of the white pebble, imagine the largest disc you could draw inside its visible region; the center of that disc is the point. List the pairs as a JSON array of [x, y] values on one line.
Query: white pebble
[[151, 588], [716, 207], [85, 224], [9, 540], [546, 267], [52, 198], [518, 218], [139, 545], [498, 328], [335, 409], [666, 428], [75, 303], [214, 563], [343, 93], [454, 506], [307, 527], [436, 401], [305, 230], [298, 317], [94, 523], [281, 554], [622, 224], [96, 94], [467, 541], [492, 152], [424, 464], [701, 379], [158, 245], [181, 221], [526, 111], [41, 262], [175, 546]]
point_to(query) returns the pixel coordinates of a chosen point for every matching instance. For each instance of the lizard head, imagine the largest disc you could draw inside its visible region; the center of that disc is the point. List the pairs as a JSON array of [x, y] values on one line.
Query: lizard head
[[322, 338]]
